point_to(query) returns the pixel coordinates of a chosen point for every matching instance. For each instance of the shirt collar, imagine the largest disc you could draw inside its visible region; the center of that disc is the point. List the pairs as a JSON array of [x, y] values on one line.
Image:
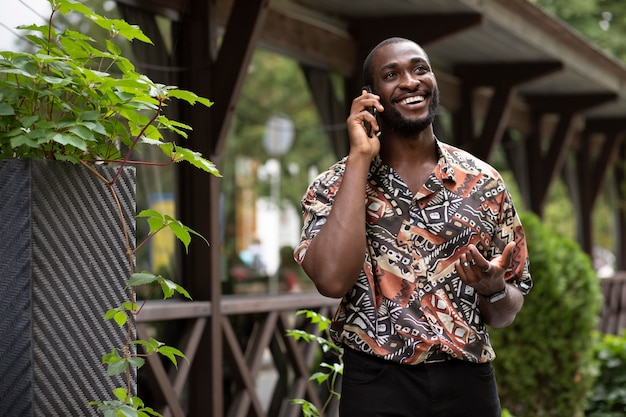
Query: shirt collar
[[444, 169]]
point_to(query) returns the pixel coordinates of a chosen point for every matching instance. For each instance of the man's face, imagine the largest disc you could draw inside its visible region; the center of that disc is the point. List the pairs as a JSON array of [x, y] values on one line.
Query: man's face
[[407, 87]]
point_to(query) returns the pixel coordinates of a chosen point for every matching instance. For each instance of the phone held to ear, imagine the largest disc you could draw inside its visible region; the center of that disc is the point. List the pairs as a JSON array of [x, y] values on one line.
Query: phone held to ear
[[368, 127]]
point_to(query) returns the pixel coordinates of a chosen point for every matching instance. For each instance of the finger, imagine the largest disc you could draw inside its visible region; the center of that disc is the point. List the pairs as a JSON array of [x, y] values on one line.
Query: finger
[[465, 260], [481, 262], [507, 254], [371, 101], [464, 267]]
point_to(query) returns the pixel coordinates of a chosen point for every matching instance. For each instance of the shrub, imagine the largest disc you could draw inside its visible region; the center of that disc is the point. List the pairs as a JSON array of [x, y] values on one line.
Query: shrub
[[609, 391], [544, 361]]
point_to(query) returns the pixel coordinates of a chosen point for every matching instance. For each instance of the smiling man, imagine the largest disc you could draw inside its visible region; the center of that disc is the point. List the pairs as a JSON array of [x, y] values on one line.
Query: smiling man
[[422, 243]]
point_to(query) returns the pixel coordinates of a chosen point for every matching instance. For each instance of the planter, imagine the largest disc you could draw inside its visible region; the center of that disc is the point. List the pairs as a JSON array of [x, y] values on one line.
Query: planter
[[62, 265]]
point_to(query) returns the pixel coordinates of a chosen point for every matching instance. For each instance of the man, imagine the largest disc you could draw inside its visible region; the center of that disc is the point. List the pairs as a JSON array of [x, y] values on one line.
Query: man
[[422, 243]]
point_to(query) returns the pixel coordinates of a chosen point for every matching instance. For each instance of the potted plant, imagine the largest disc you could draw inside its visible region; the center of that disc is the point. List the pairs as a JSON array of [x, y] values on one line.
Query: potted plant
[[72, 116]]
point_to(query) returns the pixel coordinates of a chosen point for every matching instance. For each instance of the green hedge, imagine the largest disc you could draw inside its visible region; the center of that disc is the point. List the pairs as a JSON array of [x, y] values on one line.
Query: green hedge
[[609, 391], [544, 363]]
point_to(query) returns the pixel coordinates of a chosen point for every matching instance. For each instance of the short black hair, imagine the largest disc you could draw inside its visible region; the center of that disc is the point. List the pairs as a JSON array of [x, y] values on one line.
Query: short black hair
[[368, 75]]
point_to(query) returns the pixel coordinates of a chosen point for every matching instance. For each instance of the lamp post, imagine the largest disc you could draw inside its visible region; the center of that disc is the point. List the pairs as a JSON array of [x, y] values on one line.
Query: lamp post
[[277, 140]]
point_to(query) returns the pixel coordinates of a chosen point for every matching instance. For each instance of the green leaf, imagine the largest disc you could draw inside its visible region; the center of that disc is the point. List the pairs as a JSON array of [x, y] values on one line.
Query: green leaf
[[6, 109], [195, 159], [23, 140], [179, 289], [116, 368], [142, 278], [121, 394], [319, 377], [110, 313], [118, 315], [129, 306], [149, 213], [137, 361], [113, 48], [150, 346], [121, 27], [168, 287], [147, 412], [181, 232], [171, 353], [83, 133], [120, 318], [28, 121], [308, 409], [189, 97], [73, 140], [111, 357], [128, 411], [90, 115]]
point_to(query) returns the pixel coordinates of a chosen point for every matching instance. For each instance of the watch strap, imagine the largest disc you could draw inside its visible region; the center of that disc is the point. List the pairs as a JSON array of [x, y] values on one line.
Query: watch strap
[[497, 296]]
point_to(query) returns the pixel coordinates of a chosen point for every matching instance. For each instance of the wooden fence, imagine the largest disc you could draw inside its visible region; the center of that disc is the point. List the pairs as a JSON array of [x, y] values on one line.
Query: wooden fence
[[266, 320], [253, 326], [613, 314]]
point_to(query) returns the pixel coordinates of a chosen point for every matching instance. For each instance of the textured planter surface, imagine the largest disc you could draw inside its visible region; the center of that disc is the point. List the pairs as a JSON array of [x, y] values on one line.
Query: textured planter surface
[[62, 265]]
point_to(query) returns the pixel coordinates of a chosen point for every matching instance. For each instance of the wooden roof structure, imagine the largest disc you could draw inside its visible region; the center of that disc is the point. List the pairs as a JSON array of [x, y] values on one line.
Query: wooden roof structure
[[511, 76]]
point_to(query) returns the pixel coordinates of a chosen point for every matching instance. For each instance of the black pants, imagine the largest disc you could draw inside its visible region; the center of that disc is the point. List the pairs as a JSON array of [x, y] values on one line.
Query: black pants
[[374, 387]]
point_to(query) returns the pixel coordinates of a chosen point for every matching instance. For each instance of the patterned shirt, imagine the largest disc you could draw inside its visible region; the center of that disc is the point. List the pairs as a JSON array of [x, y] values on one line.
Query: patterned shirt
[[409, 300]]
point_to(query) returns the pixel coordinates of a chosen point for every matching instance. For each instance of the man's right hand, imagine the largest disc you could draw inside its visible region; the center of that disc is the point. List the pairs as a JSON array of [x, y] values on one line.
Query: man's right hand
[[360, 113]]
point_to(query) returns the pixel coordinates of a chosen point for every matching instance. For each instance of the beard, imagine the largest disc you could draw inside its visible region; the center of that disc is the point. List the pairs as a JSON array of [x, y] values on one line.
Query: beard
[[394, 120]]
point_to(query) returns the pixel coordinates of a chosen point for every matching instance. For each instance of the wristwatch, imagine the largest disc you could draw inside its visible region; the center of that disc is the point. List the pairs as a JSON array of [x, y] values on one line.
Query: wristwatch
[[497, 296]]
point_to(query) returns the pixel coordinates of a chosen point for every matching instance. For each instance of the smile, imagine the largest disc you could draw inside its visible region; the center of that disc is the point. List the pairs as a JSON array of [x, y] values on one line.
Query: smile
[[412, 100]]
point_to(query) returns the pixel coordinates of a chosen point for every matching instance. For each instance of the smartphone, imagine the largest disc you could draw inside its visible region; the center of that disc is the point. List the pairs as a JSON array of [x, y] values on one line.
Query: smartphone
[[368, 127]]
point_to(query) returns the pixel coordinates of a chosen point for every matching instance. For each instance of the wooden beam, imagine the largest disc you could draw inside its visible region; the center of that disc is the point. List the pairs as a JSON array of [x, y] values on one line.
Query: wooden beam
[[504, 79], [591, 172], [544, 167], [567, 103], [313, 45], [239, 42], [199, 196], [172, 9], [605, 124], [505, 73], [331, 110], [620, 178], [613, 130], [593, 164], [496, 122], [247, 397], [422, 28]]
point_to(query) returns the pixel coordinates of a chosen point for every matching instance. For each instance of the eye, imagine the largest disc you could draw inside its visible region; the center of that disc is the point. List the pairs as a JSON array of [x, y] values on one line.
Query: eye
[[421, 69]]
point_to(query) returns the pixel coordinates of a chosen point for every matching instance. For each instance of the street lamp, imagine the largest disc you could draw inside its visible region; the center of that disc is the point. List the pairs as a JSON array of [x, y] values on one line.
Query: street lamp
[[277, 140]]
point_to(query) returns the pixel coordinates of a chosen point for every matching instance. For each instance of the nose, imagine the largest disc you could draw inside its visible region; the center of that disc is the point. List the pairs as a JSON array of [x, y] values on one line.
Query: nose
[[410, 81]]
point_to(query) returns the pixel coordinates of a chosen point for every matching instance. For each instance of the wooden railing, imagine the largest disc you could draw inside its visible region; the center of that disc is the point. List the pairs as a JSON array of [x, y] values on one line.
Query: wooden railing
[[266, 320], [254, 326], [613, 314]]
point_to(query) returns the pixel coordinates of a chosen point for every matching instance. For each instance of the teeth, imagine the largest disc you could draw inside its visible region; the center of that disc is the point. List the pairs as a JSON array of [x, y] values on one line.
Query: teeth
[[411, 100]]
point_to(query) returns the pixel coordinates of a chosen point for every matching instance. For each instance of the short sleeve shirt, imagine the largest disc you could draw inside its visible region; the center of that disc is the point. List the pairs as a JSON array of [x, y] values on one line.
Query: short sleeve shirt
[[409, 300]]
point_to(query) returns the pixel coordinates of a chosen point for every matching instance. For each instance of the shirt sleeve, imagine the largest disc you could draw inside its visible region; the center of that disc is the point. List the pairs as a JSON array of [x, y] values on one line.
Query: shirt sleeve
[[510, 229], [316, 206]]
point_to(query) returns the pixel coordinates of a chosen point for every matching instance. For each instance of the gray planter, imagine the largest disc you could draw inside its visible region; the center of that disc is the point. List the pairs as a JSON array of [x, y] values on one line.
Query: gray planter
[[62, 265]]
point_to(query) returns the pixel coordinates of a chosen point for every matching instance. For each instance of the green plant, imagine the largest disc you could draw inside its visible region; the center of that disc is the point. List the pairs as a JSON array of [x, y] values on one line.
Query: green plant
[[329, 372], [608, 398], [74, 102], [71, 101], [544, 363]]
